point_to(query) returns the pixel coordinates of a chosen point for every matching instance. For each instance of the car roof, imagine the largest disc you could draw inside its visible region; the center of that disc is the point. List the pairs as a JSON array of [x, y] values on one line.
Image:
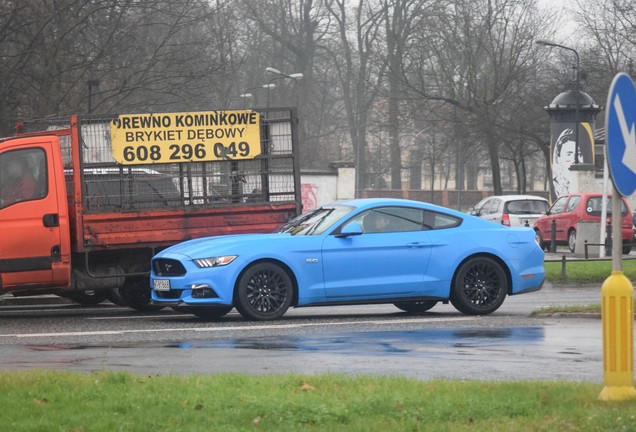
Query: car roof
[[362, 203], [518, 197]]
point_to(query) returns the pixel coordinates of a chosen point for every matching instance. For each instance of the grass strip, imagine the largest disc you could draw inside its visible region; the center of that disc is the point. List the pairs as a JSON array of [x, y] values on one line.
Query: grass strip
[[585, 272], [120, 401]]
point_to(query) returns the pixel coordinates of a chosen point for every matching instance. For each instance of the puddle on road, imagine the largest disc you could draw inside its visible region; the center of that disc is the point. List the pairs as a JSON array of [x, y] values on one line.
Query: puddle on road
[[391, 342]]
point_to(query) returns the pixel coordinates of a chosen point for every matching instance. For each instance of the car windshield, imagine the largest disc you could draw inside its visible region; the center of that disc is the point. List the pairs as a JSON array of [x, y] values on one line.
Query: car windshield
[[314, 222], [527, 207]]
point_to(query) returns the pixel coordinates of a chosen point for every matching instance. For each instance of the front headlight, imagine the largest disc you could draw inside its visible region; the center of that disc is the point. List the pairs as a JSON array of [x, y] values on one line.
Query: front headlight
[[214, 261]]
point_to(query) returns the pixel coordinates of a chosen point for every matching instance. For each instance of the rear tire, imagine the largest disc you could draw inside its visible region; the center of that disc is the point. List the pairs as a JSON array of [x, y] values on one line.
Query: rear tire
[[572, 240], [479, 287]]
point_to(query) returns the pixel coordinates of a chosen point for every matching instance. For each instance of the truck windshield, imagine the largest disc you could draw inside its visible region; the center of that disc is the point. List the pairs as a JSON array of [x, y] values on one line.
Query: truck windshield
[[315, 222]]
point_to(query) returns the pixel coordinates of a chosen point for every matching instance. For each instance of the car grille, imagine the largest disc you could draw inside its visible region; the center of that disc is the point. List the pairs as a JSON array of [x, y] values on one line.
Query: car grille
[[171, 295], [168, 267]]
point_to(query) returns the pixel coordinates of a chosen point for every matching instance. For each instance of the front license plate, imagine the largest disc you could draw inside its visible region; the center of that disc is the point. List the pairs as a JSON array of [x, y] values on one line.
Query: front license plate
[[161, 285]]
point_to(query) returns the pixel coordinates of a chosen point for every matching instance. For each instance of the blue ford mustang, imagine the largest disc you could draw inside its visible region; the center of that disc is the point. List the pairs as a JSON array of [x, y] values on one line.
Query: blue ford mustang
[[408, 253]]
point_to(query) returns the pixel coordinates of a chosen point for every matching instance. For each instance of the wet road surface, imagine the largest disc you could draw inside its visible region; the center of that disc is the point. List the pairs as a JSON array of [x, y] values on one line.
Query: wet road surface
[[375, 340]]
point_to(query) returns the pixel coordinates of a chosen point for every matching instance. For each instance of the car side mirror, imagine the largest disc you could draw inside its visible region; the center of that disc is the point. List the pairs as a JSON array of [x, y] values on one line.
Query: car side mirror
[[351, 229], [474, 212]]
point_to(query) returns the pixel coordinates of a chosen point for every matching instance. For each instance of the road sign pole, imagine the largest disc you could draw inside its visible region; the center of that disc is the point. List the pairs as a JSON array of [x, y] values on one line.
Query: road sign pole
[[617, 292]]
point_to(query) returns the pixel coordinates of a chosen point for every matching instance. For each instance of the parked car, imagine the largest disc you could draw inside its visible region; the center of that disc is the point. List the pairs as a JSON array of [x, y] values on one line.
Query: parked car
[[570, 209], [408, 253], [511, 210]]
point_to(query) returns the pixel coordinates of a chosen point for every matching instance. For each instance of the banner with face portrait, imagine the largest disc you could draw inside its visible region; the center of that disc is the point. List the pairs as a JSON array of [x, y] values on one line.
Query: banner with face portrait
[[563, 151]]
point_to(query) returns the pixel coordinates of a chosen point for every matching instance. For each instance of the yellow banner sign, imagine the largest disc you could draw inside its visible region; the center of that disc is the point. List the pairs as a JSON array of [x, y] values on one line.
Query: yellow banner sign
[[185, 137]]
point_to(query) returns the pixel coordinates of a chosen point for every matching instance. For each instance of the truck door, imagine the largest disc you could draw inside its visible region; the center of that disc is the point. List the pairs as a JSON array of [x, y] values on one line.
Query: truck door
[[34, 229]]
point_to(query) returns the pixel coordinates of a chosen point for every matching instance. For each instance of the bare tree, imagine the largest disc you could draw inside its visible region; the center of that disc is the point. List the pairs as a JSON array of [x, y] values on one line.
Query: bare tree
[[477, 58], [145, 55], [353, 55]]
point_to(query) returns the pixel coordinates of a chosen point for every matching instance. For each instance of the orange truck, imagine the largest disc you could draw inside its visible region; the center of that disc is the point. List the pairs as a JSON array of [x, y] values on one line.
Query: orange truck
[[86, 201]]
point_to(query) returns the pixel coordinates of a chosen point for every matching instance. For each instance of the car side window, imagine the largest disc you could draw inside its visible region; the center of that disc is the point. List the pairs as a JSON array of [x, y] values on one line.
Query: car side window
[[574, 201], [496, 206], [391, 219], [435, 220]]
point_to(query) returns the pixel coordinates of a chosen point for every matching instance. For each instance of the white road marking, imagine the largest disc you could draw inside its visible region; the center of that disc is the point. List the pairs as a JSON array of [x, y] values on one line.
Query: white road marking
[[233, 328]]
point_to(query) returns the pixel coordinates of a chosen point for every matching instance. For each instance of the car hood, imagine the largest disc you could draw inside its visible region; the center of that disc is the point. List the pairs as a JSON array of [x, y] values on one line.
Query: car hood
[[202, 247]]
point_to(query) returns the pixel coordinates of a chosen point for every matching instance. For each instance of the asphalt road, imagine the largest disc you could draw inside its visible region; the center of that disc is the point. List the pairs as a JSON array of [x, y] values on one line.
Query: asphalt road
[[376, 340]]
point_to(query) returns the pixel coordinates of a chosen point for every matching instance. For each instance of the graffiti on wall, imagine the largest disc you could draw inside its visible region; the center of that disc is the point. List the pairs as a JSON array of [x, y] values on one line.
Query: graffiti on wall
[[309, 193]]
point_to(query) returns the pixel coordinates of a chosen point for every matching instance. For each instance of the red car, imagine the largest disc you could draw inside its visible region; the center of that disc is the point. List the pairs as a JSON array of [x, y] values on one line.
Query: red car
[[568, 210]]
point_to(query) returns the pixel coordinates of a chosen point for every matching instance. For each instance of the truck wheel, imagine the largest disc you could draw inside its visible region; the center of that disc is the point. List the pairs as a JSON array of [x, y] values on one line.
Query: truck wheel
[[135, 293], [86, 298], [114, 297]]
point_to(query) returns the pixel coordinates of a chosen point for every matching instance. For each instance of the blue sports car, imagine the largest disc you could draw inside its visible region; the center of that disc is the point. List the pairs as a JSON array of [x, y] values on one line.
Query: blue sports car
[[408, 253]]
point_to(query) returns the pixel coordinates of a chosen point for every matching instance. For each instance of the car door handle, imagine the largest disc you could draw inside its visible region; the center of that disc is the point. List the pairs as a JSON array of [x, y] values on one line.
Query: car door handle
[[415, 245]]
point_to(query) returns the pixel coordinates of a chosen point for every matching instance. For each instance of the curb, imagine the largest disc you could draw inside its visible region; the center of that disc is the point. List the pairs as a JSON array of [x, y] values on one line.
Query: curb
[[49, 299]]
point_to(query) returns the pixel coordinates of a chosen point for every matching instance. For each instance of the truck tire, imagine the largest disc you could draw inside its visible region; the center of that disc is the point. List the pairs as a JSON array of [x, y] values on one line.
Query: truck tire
[[135, 293], [86, 298]]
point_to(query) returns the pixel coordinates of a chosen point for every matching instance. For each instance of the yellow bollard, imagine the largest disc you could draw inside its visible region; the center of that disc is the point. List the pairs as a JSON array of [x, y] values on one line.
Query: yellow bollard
[[617, 314]]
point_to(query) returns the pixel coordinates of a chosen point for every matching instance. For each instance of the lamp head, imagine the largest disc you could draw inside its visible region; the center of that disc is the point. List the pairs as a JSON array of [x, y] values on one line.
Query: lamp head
[[545, 42]]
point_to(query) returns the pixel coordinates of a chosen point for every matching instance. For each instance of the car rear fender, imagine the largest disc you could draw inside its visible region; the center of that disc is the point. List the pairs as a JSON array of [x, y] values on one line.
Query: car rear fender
[[503, 265]]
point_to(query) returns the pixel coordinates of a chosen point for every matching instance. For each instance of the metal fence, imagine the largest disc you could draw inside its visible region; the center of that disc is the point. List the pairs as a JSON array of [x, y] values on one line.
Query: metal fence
[[110, 186]]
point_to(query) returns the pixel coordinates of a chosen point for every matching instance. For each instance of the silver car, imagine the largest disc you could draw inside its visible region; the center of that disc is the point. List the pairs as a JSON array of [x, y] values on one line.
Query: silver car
[[511, 210]]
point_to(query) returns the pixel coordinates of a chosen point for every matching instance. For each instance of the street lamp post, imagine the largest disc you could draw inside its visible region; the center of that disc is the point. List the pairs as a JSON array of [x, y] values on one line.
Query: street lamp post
[[577, 87], [280, 75], [245, 96]]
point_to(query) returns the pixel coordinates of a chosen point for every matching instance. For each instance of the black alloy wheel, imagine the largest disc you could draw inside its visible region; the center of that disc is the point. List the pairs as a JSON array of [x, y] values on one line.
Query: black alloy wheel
[[264, 292], [479, 287]]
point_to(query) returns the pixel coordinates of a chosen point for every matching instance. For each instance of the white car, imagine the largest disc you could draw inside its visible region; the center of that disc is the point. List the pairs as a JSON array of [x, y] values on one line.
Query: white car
[[511, 210]]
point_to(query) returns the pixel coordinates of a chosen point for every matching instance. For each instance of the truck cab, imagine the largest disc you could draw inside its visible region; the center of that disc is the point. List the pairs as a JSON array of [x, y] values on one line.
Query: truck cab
[[34, 228]]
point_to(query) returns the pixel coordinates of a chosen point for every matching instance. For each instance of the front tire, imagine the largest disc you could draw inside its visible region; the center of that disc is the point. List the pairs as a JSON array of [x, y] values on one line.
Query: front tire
[[264, 292], [479, 287], [416, 307]]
